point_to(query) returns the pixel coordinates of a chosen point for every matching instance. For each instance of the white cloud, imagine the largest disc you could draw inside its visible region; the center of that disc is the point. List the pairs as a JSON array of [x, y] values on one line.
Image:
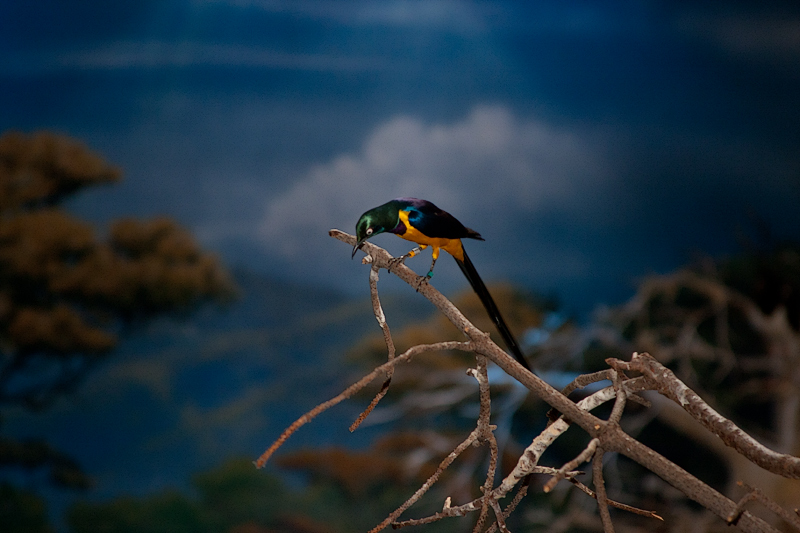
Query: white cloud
[[490, 161]]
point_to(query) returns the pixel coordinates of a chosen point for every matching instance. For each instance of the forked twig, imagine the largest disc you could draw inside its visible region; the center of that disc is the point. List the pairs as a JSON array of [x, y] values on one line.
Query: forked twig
[[562, 472], [483, 432], [612, 503], [481, 374], [387, 338], [606, 435], [356, 387], [756, 494], [665, 382]]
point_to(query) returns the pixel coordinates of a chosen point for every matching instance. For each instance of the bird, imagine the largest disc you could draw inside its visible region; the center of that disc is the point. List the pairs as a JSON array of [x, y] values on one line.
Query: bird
[[421, 222]]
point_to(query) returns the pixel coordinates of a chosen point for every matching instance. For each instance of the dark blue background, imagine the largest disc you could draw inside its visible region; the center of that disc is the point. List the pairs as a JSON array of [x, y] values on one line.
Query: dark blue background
[[589, 143]]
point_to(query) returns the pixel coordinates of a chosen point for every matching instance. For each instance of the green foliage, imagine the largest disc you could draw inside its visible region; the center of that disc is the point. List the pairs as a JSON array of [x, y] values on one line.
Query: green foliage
[[238, 497], [22, 511], [165, 513], [235, 495], [32, 454]]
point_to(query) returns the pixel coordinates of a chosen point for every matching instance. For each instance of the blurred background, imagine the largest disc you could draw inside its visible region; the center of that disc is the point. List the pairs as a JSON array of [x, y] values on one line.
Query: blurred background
[[170, 299]]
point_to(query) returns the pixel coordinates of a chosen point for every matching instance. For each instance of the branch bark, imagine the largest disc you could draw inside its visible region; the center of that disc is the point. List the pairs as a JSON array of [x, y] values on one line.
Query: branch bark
[[609, 435]]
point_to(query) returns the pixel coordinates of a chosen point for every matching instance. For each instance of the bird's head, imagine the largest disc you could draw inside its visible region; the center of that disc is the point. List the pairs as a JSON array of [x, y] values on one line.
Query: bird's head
[[368, 225]]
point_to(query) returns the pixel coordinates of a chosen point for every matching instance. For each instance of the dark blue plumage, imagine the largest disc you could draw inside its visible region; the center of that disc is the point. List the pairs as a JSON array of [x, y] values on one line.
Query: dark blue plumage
[[420, 221], [432, 221]]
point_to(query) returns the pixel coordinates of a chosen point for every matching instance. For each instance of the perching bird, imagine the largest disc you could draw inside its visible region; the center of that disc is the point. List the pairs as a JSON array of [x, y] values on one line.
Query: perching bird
[[422, 222]]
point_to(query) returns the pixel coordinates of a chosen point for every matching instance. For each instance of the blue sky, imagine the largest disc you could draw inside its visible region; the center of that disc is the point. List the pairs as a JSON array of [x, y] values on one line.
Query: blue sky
[[590, 143]]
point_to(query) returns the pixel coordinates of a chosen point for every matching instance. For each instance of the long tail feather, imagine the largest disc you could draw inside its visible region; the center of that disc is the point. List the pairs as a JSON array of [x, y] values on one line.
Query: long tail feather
[[488, 302]]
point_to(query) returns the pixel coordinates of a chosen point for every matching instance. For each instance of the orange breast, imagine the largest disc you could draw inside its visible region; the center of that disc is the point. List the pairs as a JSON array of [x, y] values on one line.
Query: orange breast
[[451, 246]]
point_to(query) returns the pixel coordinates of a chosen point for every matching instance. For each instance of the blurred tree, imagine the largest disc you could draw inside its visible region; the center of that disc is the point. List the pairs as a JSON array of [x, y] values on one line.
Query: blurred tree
[[67, 294], [237, 498], [22, 511], [233, 498], [730, 329]]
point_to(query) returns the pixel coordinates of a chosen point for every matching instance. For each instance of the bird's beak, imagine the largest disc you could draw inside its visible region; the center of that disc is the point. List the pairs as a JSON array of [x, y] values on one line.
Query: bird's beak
[[356, 247]]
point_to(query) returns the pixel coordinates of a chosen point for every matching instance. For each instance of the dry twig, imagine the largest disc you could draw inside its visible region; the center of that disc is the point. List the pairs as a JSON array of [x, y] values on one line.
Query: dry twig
[[755, 494], [606, 435], [387, 337]]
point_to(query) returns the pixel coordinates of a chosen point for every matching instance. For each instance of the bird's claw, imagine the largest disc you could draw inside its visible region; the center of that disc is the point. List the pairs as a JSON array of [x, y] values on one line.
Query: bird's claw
[[422, 280], [394, 261]]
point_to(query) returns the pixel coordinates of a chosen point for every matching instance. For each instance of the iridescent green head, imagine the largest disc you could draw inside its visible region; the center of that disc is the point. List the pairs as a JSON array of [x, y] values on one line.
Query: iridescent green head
[[378, 220]]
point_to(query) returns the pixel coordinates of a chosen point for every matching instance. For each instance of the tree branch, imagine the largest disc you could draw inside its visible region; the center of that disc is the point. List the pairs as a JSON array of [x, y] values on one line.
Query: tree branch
[[607, 435]]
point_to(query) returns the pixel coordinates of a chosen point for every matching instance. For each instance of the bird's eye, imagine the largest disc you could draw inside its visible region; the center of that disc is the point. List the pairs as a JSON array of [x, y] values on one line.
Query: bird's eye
[[369, 231]]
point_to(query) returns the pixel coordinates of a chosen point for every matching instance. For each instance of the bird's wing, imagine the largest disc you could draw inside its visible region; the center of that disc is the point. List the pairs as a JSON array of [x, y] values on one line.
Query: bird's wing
[[436, 223]]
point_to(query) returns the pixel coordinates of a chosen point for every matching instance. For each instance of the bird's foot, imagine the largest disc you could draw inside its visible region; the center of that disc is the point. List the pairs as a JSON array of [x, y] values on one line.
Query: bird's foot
[[422, 280], [394, 261]]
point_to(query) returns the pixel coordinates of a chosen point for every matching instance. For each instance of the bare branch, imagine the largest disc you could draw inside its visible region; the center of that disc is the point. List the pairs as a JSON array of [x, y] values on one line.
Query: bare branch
[[482, 432], [387, 337], [582, 457], [600, 487], [606, 435], [486, 433], [665, 382], [756, 494], [635, 510], [529, 460], [521, 493], [501, 521], [354, 388]]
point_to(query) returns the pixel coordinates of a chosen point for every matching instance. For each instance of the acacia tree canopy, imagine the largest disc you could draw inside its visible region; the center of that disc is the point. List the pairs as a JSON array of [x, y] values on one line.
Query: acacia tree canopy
[[67, 291]]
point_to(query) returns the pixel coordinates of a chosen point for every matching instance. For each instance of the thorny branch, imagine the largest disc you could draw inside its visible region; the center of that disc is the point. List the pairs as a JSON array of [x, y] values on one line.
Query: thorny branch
[[606, 435]]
